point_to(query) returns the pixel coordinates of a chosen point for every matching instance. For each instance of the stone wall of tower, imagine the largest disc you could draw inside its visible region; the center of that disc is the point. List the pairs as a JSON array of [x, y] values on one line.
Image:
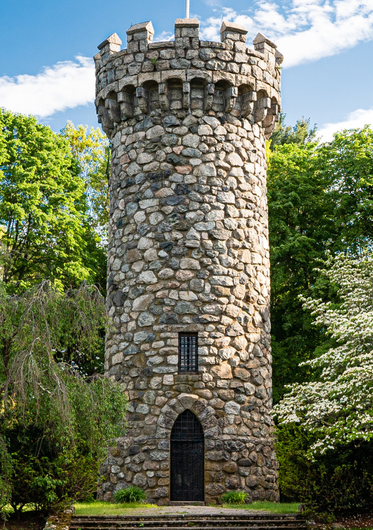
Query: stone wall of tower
[[188, 251]]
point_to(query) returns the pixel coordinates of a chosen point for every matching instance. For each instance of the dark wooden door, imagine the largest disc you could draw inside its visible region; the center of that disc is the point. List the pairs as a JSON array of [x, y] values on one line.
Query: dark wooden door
[[187, 459]]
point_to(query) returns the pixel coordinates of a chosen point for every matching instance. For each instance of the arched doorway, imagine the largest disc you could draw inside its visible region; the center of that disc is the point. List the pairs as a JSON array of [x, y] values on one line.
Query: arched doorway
[[187, 459]]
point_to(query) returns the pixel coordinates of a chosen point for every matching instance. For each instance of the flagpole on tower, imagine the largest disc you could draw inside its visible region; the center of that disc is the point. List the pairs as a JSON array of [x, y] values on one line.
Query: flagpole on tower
[[187, 5]]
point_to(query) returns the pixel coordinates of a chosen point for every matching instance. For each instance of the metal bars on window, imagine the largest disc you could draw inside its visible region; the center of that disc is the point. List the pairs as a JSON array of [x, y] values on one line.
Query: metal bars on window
[[188, 352]]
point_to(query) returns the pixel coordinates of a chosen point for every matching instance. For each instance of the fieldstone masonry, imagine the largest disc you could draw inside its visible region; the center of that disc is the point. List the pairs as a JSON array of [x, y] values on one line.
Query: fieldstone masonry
[[188, 251]]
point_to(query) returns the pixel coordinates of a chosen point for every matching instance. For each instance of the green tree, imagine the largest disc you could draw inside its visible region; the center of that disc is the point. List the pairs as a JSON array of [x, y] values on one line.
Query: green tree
[[44, 228], [336, 482], [51, 443], [325, 428], [91, 150], [301, 133], [300, 229], [338, 407], [319, 200], [347, 163]]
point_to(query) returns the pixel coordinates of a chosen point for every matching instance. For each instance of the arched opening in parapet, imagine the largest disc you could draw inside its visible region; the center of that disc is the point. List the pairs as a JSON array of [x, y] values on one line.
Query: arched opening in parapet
[[197, 93], [262, 94], [175, 93], [112, 96], [151, 88], [220, 96], [187, 458], [127, 101], [245, 100]]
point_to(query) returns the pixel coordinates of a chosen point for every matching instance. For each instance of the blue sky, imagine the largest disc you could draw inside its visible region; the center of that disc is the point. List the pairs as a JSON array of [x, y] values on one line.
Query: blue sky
[[46, 64]]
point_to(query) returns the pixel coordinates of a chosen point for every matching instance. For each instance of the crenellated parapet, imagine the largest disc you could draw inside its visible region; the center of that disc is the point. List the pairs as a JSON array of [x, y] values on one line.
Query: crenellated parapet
[[188, 76]]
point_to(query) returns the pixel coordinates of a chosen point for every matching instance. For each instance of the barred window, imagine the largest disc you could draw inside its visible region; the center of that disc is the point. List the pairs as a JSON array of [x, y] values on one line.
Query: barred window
[[188, 352]]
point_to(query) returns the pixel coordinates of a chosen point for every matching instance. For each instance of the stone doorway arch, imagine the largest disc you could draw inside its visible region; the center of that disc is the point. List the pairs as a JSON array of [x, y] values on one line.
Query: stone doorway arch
[[187, 458]]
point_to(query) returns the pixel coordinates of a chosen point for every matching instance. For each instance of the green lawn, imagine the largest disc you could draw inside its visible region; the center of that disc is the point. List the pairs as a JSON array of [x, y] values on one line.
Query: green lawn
[[273, 507], [106, 508]]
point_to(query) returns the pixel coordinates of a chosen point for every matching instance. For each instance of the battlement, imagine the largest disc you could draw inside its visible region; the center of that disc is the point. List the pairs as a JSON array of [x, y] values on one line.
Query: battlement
[[187, 76]]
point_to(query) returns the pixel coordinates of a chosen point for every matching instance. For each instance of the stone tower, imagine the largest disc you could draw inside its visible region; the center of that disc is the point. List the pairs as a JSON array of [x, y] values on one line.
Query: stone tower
[[188, 263]]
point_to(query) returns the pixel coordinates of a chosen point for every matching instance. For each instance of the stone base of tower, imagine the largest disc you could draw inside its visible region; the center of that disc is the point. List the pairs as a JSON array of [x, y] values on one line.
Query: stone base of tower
[[229, 463]]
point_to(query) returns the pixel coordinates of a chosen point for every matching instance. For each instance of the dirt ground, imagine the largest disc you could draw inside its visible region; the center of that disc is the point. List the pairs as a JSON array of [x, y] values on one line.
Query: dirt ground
[[26, 521], [355, 521]]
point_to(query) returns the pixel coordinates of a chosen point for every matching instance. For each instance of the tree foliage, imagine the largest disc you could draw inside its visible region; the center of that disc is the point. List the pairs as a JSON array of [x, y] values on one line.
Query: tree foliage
[[325, 425], [319, 200], [51, 442], [91, 149], [347, 163], [300, 134], [53, 223], [44, 227], [338, 408], [339, 481], [300, 222]]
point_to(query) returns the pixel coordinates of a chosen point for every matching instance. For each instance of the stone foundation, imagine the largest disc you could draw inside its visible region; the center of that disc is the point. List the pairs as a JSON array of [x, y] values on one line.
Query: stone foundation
[[242, 463]]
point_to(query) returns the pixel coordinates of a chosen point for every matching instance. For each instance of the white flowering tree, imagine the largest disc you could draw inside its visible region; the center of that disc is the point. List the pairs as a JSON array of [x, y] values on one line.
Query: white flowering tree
[[338, 408]]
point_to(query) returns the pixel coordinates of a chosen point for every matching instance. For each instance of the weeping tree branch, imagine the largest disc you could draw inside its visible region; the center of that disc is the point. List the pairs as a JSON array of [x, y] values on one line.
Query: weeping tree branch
[[42, 388]]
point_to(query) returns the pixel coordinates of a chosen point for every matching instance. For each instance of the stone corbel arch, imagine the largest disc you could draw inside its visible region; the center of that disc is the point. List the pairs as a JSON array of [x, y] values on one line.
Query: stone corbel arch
[[126, 99], [262, 105], [246, 99], [270, 120], [204, 413], [108, 112], [225, 94], [197, 92]]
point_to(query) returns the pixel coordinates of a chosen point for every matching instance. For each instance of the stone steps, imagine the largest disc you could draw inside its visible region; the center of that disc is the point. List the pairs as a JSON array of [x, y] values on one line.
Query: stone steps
[[101, 526], [195, 522]]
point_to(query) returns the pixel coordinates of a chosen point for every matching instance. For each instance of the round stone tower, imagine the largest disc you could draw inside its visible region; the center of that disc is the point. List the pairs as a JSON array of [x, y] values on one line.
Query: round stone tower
[[188, 260]]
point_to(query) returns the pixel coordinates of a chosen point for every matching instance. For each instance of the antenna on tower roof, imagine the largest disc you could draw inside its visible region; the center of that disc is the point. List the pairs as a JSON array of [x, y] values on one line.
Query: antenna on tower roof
[[187, 6]]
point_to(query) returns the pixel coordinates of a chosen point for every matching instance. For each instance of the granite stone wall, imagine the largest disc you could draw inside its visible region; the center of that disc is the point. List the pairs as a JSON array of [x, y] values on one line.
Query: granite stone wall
[[188, 251]]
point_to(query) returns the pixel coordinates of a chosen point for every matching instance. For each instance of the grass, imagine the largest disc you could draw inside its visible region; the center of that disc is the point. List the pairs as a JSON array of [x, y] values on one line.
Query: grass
[[273, 507], [106, 508]]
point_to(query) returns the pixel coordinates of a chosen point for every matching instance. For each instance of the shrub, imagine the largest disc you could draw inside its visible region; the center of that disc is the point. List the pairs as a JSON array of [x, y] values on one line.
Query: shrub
[[338, 481], [234, 497], [132, 494]]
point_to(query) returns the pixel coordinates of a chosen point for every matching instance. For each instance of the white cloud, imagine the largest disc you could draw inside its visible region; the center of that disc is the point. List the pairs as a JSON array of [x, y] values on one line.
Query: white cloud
[[164, 36], [62, 86], [304, 30], [355, 120]]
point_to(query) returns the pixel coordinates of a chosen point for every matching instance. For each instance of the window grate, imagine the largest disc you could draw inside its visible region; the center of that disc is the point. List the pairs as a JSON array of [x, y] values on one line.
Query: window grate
[[188, 352]]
